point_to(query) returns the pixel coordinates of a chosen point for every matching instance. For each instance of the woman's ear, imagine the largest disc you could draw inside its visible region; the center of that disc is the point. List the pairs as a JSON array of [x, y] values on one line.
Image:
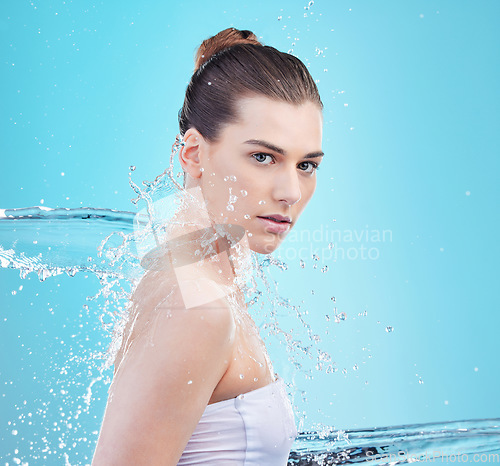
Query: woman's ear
[[189, 155]]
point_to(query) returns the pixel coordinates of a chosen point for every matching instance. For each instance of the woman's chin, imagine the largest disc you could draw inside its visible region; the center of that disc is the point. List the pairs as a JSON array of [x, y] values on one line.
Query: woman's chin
[[264, 248]]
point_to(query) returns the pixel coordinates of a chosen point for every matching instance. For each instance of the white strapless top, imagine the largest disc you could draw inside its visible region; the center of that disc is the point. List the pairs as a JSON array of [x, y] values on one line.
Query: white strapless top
[[256, 428]]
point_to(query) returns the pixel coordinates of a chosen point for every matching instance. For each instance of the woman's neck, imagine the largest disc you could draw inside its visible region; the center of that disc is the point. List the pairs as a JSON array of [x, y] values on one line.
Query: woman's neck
[[209, 249]]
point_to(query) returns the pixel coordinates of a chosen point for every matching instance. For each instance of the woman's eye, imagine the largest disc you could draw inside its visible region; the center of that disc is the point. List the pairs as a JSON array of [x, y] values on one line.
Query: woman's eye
[[261, 157], [309, 166]]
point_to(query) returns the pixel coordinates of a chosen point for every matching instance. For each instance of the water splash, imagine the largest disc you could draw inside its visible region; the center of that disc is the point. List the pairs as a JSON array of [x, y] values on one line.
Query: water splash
[[476, 440], [54, 241]]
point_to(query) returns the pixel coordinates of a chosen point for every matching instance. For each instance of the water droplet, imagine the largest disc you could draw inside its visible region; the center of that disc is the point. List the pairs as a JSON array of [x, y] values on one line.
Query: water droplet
[[344, 371], [340, 317], [355, 367], [325, 269], [132, 168], [226, 178], [230, 207], [255, 379], [333, 298], [315, 257], [302, 263], [202, 169], [246, 216], [209, 83], [262, 202], [389, 329], [327, 317], [243, 193], [43, 274], [190, 382], [467, 193], [14, 432], [420, 381], [280, 18], [232, 178], [242, 376], [330, 245]]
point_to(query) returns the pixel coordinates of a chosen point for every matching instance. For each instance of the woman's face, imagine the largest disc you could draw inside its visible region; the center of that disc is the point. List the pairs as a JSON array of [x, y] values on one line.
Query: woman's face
[[262, 166]]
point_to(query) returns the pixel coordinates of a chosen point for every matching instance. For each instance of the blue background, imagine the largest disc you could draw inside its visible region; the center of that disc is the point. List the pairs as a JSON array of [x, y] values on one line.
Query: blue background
[[411, 138]]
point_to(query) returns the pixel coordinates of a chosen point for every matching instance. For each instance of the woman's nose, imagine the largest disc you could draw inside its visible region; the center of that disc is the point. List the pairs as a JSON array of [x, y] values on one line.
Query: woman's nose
[[287, 187]]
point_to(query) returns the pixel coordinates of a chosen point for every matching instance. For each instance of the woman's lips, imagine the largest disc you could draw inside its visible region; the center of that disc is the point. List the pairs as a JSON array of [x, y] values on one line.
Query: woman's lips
[[273, 226]]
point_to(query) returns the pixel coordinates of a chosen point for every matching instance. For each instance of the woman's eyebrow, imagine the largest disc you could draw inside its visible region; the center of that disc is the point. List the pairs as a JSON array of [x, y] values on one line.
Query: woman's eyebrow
[[279, 150]]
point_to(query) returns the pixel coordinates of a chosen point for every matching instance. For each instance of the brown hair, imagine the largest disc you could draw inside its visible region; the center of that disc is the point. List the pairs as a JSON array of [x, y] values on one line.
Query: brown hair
[[234, 64]]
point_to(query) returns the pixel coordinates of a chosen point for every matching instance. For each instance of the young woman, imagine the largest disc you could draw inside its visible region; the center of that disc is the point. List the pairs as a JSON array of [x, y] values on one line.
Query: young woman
[[193, 383]]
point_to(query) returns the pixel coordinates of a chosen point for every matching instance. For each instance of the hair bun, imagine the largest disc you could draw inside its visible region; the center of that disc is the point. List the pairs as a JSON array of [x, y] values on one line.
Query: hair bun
[[223, 40]]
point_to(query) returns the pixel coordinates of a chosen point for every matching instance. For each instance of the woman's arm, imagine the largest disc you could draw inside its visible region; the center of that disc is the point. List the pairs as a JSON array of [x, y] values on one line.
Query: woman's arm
[[163, 385]]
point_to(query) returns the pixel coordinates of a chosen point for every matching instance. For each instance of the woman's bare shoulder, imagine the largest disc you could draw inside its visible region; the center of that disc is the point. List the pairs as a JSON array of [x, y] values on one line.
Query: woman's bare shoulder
[[164, 303], [167, 374]]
